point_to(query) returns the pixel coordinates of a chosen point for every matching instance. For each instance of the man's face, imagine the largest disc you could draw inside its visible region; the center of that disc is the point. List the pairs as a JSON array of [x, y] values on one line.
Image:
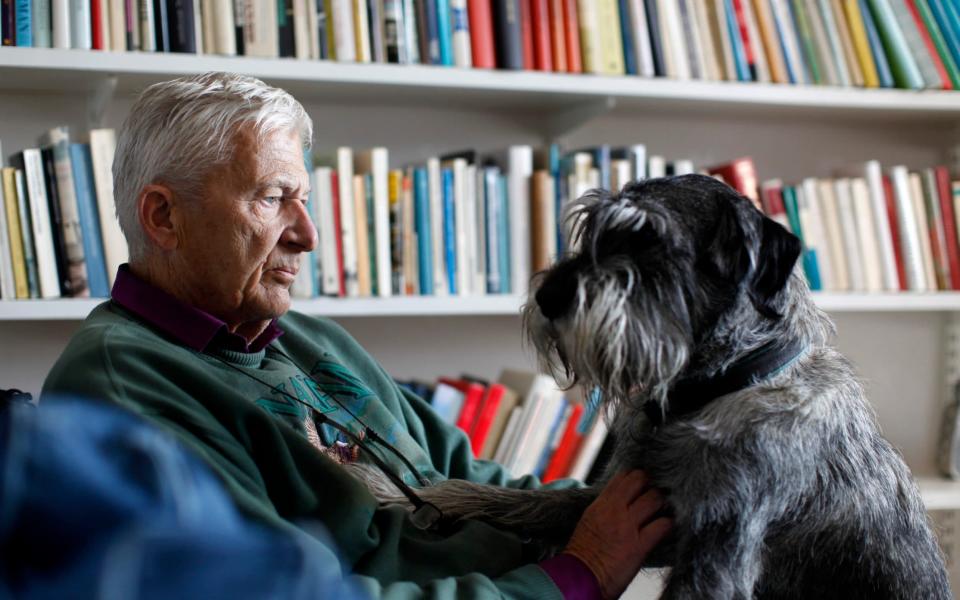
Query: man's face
[[241, 243]]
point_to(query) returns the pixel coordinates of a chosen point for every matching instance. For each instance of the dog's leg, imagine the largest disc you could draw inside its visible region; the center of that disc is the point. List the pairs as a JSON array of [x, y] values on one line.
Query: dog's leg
[[721, 560]]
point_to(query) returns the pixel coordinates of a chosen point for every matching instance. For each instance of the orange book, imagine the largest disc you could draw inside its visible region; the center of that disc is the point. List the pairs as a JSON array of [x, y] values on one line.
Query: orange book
[[526, 34], [571, 31], [487, 415], [558, 43], [540, 27]]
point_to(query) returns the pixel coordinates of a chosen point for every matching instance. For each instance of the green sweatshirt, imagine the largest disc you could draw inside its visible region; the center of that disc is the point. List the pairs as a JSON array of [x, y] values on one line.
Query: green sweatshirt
[[253, 436]]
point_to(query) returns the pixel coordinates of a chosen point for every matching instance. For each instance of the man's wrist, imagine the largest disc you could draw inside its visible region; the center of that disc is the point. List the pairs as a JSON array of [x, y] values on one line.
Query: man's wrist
[[573, 577]]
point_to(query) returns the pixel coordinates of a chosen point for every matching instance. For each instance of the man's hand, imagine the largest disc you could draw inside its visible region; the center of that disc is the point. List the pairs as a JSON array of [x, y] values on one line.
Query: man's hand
[[616, 532]]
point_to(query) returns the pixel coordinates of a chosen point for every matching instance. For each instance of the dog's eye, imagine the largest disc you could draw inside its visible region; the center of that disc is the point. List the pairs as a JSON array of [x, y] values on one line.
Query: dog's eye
[[626, 242]]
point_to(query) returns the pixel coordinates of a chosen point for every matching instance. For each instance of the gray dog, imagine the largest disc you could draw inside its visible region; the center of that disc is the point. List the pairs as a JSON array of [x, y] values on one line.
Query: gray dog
[[682, 305]]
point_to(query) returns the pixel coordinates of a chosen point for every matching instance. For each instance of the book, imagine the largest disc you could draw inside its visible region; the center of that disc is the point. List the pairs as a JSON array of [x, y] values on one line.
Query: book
[[376, 163], [52, 200], [541, 35], [942, 183], [948, 20], [342, 45], [771, 43], [741, 175], [447, 401], [920, 45], [895, 230], [86, 196], [71, 232], [874, 177], [472, 401], [482, 51], [861, 43], [438, 255], [18, 255], [326, 230], [843, 193], [361, 31], [537, 392], [8, 286], [569, 443], [543, 224], [424, 229], [903, 65], [808, 258], [846, 41], [444, 32], [80, 24], [395, 196], [936, 228], [940, 42], [26, 233], [588, 16], [555, 432], [490, 404], [884, 72], [628, 38], [571, 32], [793, 53], [31, 163], [411, 260], [909, 230], [449, 231], [362, 237], [923, 230], [834, 235], [519, 171], [656, 43], [836, 49], [867, 235], [41, 25], [589, 449], [102, 146], [497, 432], [348, 222], [60, 23]]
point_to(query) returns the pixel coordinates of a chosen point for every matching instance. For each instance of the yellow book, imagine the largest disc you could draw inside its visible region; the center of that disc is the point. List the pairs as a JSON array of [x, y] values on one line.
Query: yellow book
[[364, 281], [859, 34], [16, 239], [590, 47], [611, 38]]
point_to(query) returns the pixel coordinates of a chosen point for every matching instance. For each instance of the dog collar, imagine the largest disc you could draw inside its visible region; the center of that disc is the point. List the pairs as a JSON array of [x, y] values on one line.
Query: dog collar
[[690, 395]]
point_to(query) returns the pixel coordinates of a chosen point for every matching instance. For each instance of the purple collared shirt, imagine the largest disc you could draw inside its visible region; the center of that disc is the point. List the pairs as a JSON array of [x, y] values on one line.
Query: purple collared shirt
[[186, 324], [197, 329]]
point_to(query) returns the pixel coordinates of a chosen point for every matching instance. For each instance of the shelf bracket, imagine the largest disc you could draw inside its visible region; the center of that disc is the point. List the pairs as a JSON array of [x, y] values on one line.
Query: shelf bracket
[[564, 121], [99, 99]]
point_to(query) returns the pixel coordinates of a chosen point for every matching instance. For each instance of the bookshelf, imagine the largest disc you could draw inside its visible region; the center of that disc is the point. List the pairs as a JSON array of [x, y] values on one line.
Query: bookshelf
[[897, 341]]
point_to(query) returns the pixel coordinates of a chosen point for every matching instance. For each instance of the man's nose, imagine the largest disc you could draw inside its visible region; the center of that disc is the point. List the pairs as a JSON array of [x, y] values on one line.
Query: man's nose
[[301, 231]]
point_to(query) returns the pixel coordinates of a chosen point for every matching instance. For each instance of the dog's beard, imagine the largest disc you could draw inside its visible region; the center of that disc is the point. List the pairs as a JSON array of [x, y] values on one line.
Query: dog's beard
[[615, 337]]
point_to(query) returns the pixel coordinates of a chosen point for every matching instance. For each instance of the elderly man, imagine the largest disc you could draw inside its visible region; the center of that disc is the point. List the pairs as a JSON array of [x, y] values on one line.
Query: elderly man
[[211, 195]]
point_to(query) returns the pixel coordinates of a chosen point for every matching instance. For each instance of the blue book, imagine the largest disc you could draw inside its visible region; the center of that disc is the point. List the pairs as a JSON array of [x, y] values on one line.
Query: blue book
[[736, 43], [491, 204], [503, 235], [794, 71], [433, 39], [449, 229], [629, 44], [809, 256], [24, 23], [445, 32], [552, 441], [82, 165], [949, 22], [876, 47], [421, 209]]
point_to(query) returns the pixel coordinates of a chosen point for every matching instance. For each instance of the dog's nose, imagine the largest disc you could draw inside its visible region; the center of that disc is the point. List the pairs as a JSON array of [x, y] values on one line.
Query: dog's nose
[[558, 290]]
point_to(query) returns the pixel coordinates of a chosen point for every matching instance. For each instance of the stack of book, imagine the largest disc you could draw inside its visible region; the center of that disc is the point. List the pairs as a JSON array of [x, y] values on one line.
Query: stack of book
[[910, 44], [522, 421]]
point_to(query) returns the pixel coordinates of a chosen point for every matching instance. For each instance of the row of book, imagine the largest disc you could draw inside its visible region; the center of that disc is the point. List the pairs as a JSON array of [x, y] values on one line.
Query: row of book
[[910, 44], [522, 421], [881, 230]]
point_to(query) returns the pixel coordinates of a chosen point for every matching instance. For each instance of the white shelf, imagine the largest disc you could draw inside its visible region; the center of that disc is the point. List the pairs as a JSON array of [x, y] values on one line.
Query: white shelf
[[43, 69], [939, 494], [428, 306]]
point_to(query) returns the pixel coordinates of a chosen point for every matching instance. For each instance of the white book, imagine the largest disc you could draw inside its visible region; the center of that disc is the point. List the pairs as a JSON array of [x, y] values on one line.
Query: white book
[[691, 38], [376, 162], [348, 237], [40, 25], [683, 167], [830, 214], [447, 402], [619, 174], [721, 32], [641, 38], [491, 202], [867, 234], [313, 29], [672, 40], [789, 40], [811, 222], [589, 449], [435, 189], [81, 36], [851, 240], [638, 154], [8, 290], [460, 29], [712, 71], [61, 23], [103, 143], [148, 42], [464, 248], [326, 227], [534, 388], [881, 223], [207, 24], [261, 36], [117, 23], [301, 34], [656, 166], [923, 232], [518, 188], [836, 45], [509, 435], [361, 31], [411, 38], [223, 29], [528, 454], [49, 277], [588, 14]]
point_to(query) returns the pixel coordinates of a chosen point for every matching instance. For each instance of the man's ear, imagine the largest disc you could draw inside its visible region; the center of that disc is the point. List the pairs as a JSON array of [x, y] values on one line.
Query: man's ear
[[155, 209]]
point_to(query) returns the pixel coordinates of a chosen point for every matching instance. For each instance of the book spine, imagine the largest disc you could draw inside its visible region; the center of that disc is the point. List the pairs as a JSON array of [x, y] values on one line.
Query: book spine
[[69, 213], [148, 39], [15, 233], [461, 34], [42, 30], [60, 19], [912, 255], [381, 216], [26, 233], [509, 50], [483, 54], [48, 275], [23, 21], [423, 216], [449, 230], [942, 49], [444, 33], [949, 22], [85, 193], [906, 71], [540, 28], [861, 43], [102, 147], [896, 232], [884, 74], [882, 225], [492, 205]]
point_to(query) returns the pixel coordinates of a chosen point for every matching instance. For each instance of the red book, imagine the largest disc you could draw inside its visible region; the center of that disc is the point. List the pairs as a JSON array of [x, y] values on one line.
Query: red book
[[891, 203], [472, 398], [488, 412], [745, 36], [540, 25], [562, 458], [741, 175], [526, 33], [335, 187], [571, 34], [945, 195], [558, 45], [96, 25], [481, 34], [928, 42]]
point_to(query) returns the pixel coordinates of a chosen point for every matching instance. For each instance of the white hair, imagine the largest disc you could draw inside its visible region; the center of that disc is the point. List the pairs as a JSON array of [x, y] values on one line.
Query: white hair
[[178, 131]]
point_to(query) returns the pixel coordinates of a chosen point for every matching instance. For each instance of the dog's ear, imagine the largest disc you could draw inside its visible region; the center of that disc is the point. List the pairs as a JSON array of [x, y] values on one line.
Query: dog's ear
[[558, 290], [776, 256], [726, 254]]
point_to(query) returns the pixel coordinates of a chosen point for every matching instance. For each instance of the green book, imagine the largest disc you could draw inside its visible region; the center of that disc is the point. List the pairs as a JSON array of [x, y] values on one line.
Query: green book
[[953, 72], [806, 40], [906, 71]]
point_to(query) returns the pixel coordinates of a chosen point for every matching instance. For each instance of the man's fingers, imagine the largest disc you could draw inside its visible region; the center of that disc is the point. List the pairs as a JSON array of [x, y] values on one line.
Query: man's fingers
[[629, 485], [647, 505], [653, 533]]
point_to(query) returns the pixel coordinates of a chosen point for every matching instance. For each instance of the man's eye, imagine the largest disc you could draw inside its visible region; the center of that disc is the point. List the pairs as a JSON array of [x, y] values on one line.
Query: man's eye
[[272, 200]]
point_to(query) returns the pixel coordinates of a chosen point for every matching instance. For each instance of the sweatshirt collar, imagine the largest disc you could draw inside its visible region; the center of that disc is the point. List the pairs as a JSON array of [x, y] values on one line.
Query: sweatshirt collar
[[186, 324]]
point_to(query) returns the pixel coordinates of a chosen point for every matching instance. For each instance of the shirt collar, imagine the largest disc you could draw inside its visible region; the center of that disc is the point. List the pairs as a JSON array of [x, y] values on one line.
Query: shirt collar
[[186, 324]]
